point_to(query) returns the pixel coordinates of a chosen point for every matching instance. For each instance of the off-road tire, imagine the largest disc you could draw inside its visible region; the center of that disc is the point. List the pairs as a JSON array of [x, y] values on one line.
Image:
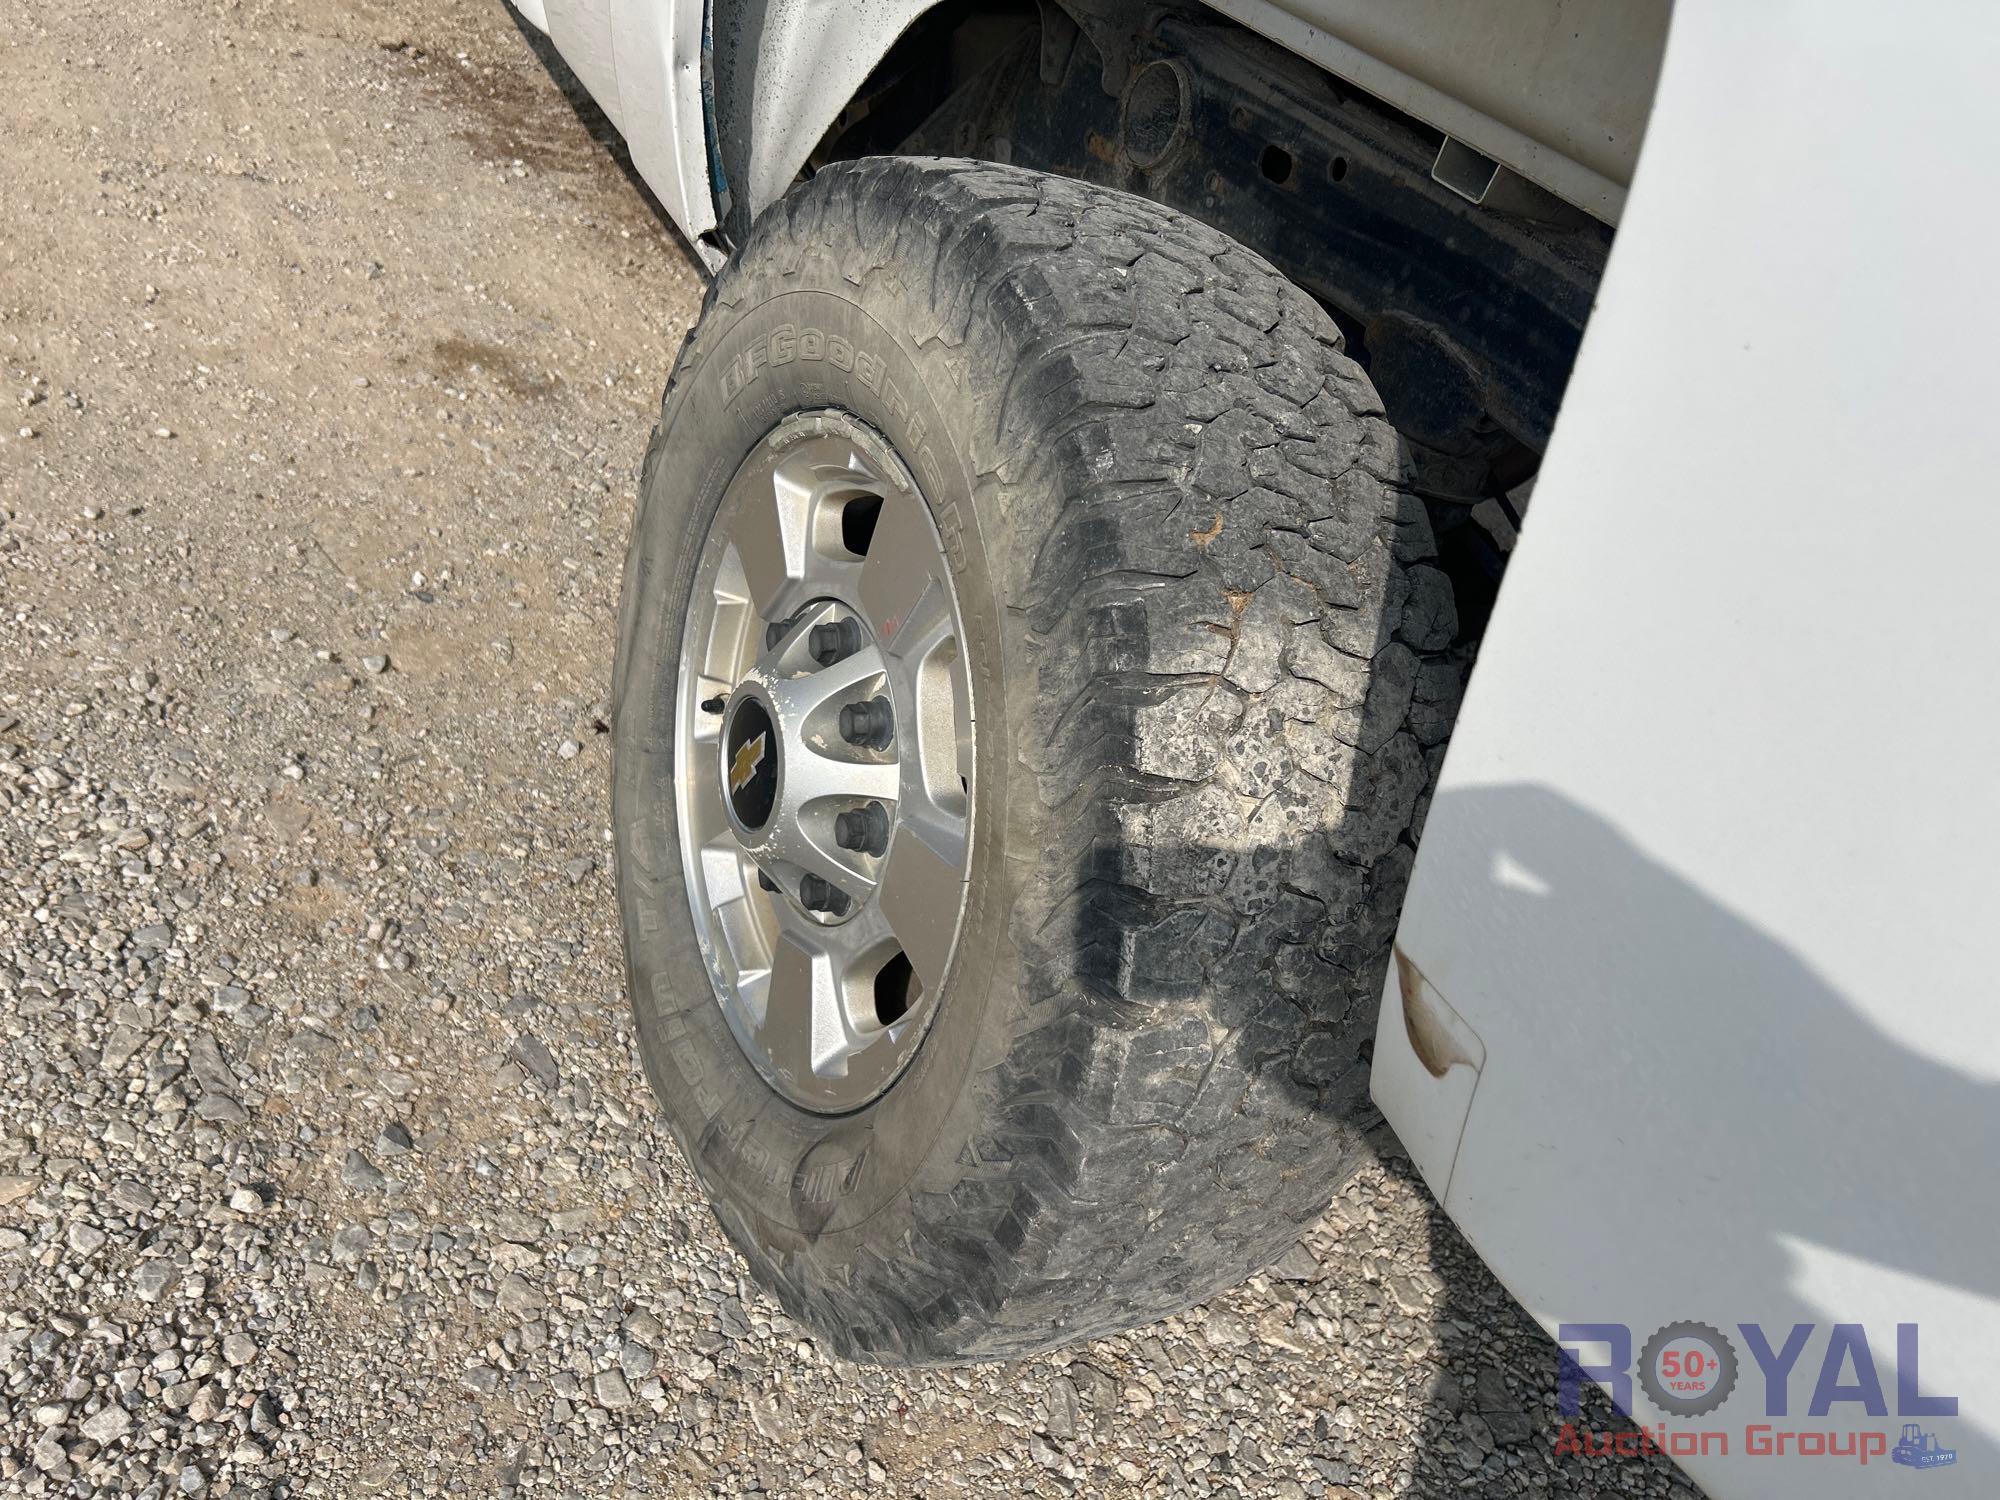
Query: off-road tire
[[1211, 686]]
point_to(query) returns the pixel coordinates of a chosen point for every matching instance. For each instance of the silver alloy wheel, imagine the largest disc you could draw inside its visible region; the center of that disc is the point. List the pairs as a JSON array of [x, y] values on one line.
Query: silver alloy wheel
[[823, 735]]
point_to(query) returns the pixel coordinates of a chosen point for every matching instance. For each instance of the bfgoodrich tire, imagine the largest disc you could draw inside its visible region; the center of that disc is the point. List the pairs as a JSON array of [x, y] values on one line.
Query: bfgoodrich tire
[[1201, 641]]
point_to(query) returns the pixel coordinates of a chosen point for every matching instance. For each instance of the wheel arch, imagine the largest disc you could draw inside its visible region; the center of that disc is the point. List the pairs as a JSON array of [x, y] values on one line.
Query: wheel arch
[[722, 101], [785, 71]]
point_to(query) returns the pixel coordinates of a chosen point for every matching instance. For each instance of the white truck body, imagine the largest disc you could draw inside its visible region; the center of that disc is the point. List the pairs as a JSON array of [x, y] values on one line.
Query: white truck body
[[1708, 886]]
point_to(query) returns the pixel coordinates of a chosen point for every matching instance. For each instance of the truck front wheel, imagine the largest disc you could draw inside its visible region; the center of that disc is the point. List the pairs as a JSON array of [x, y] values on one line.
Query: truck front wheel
[[1025, 702]]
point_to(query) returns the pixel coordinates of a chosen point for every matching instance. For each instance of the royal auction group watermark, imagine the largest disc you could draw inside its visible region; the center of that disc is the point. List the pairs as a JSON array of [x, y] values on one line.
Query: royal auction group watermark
[[1691, 1370]]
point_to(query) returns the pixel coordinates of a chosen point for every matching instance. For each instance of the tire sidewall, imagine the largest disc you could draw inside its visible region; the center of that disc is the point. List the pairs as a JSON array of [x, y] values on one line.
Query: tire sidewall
[[803, 1180]]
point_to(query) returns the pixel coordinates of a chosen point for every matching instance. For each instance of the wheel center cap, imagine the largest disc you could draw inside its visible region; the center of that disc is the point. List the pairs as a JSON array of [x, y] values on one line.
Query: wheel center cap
[[750, 762]]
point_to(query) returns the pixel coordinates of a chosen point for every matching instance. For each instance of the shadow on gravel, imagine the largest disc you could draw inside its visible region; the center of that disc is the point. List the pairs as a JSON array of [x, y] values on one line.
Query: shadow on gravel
[[1806, 1077], [1488, 1424]]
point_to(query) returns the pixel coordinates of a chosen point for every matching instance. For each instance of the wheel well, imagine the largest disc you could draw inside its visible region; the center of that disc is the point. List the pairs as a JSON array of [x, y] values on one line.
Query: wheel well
[[945, 49], [1467, 316]]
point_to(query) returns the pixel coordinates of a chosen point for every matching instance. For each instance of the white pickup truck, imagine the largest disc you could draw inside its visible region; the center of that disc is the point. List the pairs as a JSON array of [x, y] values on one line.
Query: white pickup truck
[[1058, 573]]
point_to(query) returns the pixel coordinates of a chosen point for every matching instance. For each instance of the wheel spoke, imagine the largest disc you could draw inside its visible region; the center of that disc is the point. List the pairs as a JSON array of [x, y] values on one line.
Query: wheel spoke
[[701, 775], [940, 829], [819, 776], [722, 870], [920, 896], [901, 556], [804, 1030], [822, 857], [927, 626], [729, 622], [800, 699], [773, 536], [736, 905], [934, 730]]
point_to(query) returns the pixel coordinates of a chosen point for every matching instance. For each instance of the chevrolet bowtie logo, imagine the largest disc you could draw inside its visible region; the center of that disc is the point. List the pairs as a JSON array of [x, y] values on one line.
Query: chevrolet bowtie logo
[[749, 756]]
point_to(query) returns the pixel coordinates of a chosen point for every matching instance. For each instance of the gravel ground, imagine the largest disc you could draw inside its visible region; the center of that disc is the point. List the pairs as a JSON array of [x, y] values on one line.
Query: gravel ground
[[331, 337]]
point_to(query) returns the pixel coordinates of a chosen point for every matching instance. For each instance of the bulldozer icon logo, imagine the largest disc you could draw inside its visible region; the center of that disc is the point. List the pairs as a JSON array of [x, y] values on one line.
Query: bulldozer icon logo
[[1919, 1450]]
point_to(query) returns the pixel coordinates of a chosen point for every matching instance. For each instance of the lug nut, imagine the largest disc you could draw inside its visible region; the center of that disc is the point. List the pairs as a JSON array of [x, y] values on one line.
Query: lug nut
[[765, 882], [870, 724], [775, 631], [834, 640], [816, 894], [865, 829]]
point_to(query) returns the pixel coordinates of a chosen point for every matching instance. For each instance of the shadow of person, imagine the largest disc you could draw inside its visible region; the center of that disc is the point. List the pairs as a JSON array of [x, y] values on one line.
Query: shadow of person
[[1705, 1126]]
